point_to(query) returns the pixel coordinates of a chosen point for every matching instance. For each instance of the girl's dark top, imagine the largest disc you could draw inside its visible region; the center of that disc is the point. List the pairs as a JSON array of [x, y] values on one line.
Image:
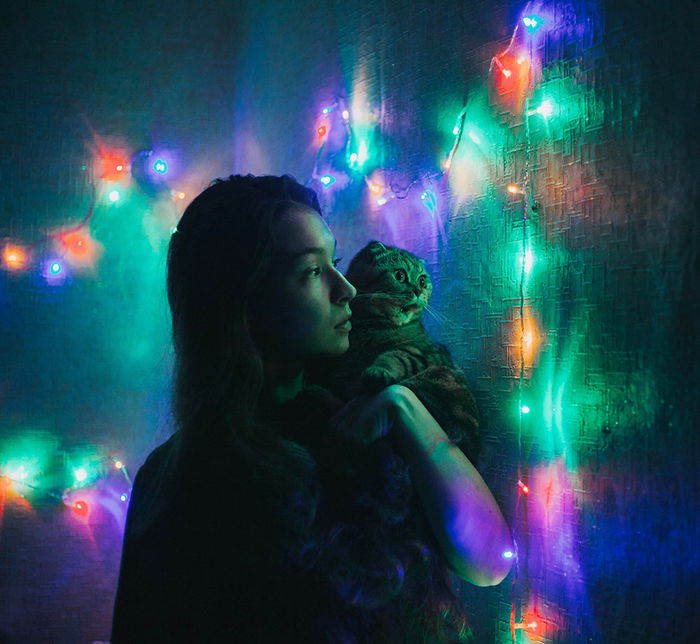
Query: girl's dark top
[[209, 569]]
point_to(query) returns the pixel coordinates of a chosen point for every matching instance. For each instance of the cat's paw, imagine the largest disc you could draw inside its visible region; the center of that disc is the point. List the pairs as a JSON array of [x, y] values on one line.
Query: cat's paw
[[376, 378]]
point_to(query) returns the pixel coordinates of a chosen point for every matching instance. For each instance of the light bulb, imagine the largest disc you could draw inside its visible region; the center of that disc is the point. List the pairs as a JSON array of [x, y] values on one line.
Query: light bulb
[[545, 109], [81, 507]]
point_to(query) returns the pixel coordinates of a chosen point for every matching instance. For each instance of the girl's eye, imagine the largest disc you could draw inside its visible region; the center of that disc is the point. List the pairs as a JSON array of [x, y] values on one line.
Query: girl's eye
[[315, 271]]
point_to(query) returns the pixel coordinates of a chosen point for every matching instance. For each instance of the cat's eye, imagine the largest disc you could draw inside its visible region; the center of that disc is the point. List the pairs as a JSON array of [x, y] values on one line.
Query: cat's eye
[[422, 281], [400, 275]]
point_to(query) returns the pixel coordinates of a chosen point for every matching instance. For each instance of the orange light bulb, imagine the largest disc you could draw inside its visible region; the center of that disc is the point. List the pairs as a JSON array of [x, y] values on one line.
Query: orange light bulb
[[14, 257]]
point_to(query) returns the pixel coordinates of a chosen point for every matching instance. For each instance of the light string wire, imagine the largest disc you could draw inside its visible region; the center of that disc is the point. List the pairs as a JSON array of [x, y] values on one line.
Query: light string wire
[[529, 205], [397, 192], [65, 232], [5, 478]]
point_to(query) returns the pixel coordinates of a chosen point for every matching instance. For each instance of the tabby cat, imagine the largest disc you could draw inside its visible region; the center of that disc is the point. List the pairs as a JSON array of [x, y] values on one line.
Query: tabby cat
[[389, 344]]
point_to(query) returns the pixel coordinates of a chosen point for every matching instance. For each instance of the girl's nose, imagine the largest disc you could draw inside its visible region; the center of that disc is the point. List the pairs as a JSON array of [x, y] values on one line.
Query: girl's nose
[[346, 290]]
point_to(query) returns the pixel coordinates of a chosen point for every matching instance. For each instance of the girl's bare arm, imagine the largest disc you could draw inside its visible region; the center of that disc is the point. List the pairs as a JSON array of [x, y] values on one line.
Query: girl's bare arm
[[462, 512]]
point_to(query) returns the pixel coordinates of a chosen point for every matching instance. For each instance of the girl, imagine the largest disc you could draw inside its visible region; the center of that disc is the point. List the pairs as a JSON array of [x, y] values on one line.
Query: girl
[[243, 526]]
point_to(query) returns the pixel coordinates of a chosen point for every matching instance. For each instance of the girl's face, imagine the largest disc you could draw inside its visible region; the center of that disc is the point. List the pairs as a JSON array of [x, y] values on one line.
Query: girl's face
[[297, 315]]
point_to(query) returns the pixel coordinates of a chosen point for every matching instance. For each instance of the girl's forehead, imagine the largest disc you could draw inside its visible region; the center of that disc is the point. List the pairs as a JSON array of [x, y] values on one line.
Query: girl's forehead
[[302, 228]]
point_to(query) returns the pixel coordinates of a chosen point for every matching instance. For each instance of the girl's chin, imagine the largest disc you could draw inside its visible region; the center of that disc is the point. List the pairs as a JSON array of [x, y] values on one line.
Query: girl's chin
[[339, 348]]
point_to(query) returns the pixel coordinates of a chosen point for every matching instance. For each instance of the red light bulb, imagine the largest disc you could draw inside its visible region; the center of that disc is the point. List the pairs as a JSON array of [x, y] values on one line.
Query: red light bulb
[[80, 508]]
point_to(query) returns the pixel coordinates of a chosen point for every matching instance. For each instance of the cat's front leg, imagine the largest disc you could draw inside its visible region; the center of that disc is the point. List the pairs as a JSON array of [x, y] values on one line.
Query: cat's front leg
[[375, 378], [391, 367]]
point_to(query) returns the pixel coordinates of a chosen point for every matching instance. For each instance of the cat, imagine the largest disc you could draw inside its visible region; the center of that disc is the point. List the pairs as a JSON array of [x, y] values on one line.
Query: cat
[[369, 487], [389, 344]]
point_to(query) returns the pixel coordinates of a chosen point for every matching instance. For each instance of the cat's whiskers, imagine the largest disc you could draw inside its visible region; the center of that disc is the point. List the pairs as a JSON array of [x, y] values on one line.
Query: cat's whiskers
[[442, 319]]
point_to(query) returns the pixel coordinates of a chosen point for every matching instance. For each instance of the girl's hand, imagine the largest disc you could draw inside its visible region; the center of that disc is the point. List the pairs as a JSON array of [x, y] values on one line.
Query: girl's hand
[[368, 417]]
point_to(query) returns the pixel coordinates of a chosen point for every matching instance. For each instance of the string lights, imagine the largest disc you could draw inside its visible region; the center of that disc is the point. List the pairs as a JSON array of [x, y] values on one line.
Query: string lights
[[15, 482]]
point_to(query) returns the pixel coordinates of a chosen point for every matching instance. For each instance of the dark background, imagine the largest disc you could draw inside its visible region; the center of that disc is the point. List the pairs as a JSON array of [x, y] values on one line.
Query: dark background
[[607, 536]]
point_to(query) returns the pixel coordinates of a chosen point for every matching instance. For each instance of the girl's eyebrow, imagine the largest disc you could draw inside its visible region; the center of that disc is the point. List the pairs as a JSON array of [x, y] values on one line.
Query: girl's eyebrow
[[309, 250]]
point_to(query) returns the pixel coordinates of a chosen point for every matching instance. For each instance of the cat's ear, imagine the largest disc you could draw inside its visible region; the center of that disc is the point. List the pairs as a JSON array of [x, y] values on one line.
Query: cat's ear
[[375, 246]]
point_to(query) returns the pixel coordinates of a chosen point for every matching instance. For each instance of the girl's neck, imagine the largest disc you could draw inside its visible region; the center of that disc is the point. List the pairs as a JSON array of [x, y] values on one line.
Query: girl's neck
[[283, 381]]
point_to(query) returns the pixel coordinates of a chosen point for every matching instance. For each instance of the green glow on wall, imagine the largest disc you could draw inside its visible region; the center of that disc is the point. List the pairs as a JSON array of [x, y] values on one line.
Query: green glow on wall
[[131, 306], [481, 136], [361, 151], [26, 456], [361, 155]]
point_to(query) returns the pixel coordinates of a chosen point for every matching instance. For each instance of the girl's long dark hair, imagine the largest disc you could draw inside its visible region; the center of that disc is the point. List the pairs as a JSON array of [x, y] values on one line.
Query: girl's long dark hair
[[219, 257]]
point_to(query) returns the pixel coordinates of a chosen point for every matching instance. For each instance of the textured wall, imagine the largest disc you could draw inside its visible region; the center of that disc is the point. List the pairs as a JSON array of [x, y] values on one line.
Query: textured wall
[[593, 257]]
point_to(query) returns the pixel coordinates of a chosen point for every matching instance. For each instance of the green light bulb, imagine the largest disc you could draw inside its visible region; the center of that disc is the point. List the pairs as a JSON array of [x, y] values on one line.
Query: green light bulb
[[546, 108]]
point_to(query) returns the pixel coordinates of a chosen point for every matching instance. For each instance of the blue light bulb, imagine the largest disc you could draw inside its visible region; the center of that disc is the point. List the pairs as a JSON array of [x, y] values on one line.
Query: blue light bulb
[[532, 22]]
